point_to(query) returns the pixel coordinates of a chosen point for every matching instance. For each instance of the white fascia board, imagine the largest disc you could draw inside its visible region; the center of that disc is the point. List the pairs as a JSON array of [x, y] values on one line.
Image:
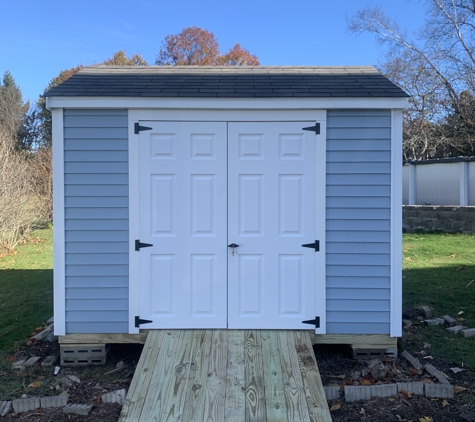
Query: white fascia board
[[396, 224], [320, 257], [241, 115], [59, 271], [134, 226], [227, 103]]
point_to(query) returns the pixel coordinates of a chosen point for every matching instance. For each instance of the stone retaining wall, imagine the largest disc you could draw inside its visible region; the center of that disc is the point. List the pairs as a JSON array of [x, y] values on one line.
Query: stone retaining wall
[[443, 218]]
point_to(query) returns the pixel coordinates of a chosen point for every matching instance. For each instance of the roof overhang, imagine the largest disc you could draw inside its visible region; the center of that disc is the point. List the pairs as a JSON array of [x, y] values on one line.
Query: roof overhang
[[324, 103]]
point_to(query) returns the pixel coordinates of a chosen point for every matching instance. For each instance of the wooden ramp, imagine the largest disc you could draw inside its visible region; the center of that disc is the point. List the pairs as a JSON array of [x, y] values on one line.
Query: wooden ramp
[[226, 375]]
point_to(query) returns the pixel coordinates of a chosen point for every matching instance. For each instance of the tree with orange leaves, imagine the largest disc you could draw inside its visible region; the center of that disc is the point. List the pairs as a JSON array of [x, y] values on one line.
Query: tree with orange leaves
[[199, 47]]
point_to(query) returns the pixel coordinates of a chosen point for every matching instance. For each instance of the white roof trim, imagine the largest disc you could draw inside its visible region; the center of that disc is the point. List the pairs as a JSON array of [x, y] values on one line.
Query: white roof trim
[[226, 103]]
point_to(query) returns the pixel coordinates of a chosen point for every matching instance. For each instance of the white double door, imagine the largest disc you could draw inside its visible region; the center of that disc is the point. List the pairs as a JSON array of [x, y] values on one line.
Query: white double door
[[207, 185]]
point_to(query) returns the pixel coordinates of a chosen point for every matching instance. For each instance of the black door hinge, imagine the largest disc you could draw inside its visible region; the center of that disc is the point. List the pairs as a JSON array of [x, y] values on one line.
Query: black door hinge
[[139, 321], [139, 244], [138, 128], [315, 322], [315, 245], [315, 128]]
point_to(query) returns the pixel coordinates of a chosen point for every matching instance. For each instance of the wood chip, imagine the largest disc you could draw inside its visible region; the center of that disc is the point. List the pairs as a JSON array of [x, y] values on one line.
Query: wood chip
[[458, 389], [335, 407]]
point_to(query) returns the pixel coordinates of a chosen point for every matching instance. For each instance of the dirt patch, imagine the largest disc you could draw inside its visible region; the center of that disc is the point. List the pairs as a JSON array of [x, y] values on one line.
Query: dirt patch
[[336, 368], [94, 381]]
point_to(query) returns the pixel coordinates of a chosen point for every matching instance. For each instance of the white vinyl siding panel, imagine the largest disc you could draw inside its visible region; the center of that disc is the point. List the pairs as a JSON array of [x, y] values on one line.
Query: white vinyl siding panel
[[358, 221], [96, 220]]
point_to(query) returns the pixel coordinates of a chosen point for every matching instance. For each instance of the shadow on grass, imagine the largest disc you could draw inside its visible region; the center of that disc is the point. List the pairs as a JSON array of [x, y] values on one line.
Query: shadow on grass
[[26, 302], [447, 289]]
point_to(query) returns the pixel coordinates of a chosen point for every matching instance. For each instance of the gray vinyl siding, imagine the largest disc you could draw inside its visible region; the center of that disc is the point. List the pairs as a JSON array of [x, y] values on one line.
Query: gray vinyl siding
[[96, 220], [358, 221]]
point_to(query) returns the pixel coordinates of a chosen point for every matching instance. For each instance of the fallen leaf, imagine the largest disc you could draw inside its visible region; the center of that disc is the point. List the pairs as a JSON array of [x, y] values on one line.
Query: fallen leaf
[[337, 376], [349, 382], [362, 411], [426, 419], [335, 407], [426, 345], [413, 372], [461, 312], [445, 403], [35, 384], [427, 357], [460, 319], [456, 370], [458, 389], [427, 381], [364, 381]]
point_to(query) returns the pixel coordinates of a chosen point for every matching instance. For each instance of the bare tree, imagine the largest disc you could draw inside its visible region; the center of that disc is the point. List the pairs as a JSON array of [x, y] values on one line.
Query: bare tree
[[21, 205], [436, 66]]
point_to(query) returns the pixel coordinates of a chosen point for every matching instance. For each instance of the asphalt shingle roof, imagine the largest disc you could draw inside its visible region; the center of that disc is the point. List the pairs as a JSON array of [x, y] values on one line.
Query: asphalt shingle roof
[[231, 82]]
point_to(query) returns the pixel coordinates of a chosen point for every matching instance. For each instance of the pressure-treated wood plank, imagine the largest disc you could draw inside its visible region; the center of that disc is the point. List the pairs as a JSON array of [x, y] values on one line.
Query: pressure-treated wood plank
[[215, 393], [276, 408], [254, 376], [316, 399], [359, 340], [235, 382], [156, 393], [193, 409], [142, 377], [297, 410], [172, 409], [103, 338]]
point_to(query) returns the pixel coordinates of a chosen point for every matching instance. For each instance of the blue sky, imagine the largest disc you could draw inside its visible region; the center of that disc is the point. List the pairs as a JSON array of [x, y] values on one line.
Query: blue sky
[[41, 38]]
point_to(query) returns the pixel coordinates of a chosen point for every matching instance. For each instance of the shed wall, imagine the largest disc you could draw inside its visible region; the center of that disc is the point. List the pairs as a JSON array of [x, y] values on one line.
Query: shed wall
[[358, 221], [96, 220]]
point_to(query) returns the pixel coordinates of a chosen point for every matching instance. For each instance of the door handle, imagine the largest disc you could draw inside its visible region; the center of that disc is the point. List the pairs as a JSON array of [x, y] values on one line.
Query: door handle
[[233, 245]]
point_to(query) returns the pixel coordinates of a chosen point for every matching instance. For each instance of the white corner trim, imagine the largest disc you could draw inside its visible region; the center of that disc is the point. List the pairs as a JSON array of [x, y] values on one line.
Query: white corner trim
[[227, 103], [321, 171], [59, 270], [134, 223], [464, 185], [396, 224]]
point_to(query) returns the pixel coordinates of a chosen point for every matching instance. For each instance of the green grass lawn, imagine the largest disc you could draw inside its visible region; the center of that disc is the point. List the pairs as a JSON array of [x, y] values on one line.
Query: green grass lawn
[[26, 289], [439, 271]]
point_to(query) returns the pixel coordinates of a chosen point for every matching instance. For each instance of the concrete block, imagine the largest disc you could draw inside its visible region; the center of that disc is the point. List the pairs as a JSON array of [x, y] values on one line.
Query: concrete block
[[50, 321], [384, 390], [5, 408], [332, 392], [83, 354], [78, 409], [434, 321], [449, 320], [411, 387], [425, 310], [54, 401], [444, 391], [43, 334], [431, 369], [357, 392], [115, 397], [18, 364], [467, 332], [32, 361], [406, 323], [26, 405], [49, 361], [456, 329], [412, 360]]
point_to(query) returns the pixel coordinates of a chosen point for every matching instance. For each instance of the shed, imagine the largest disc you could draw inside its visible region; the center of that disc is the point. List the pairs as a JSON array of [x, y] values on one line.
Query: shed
[[227, 197]]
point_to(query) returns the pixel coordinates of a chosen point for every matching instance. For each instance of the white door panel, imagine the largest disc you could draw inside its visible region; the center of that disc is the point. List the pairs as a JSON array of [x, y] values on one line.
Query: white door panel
[[271, 213], [183, 214]]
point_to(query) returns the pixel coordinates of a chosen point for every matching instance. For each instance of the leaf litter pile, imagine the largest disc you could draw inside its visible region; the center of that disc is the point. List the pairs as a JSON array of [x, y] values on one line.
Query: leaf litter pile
[[337, 369]]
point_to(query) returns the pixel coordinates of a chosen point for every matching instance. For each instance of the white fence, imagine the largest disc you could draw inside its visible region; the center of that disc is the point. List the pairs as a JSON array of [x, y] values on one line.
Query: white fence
[[439, 182]]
